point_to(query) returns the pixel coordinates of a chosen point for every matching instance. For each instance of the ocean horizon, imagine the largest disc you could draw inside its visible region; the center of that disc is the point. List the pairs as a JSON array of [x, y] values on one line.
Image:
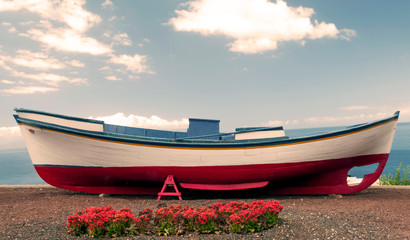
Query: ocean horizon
[[17, 168]]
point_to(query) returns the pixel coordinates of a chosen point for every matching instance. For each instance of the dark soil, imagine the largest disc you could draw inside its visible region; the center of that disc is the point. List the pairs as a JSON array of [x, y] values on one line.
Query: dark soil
[[375, 213]]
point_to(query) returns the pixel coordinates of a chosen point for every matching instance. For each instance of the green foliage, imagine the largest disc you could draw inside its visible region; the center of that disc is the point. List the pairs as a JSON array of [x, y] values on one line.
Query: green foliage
[[167, 227], [272, 219], [398, 179]]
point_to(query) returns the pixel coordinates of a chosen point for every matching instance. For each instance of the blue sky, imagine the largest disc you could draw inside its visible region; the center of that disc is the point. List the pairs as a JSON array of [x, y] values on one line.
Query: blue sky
[[245, 62]]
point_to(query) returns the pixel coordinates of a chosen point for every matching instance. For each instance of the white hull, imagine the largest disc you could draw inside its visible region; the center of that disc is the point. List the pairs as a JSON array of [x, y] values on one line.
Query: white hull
[[73, 145], [48, 147]]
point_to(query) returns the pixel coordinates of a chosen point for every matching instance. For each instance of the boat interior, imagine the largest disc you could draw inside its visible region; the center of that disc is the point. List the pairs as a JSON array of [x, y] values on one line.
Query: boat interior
[[202, 129]]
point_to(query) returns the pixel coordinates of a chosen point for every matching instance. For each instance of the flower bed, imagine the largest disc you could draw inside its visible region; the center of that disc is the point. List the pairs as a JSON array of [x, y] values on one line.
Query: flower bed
[[234, 217]]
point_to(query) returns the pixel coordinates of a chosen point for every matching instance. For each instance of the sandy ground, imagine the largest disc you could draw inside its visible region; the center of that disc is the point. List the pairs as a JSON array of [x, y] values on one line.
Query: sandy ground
[[40, 212]]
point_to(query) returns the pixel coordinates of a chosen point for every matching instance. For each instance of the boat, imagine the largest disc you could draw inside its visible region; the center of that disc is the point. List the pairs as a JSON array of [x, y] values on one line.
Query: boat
[[91, 156]]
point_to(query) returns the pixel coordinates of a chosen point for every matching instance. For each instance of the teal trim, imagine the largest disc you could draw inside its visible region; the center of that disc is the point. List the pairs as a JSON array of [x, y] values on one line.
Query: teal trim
[[185, 143], [58, 116], [256, 129]]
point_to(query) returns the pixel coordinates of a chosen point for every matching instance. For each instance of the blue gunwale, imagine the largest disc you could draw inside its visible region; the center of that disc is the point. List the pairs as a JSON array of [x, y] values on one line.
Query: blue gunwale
[[192, 144], [59, 116]]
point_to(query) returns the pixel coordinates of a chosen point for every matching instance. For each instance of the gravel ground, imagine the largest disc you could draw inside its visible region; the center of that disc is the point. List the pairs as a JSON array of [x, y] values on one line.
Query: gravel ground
[[41, 212]]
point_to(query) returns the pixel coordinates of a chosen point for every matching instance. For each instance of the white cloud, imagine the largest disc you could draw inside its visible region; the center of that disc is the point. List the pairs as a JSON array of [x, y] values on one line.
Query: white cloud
[[7, 82], [12, 30], [50, 78], [349, 119], [136, 63], [354, 107], [61, 25], [370, 113], [122, 39], [105, 68], [24, 90], [71, 13], [3, 62], [69, 41], [347, 34], [76, 63], [27, 23], [255, 25], [144, 122], [274, 123], [36, 60], [405, 113], [132, 77], [107, 3], [113, 78], [10, 138], [10, 131], [333, 119], [33, 60], [24, 35]]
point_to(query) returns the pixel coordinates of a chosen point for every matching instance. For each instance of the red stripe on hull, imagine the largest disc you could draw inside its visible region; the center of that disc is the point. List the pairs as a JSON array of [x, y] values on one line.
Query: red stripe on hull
[[317, 177]]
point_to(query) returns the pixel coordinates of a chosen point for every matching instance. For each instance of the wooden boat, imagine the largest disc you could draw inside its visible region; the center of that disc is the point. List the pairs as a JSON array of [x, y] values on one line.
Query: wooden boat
[[91, 156]]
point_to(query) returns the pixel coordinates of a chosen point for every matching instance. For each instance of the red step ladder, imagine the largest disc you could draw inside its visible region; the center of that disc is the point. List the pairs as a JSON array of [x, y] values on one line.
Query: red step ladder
[[169, 182]]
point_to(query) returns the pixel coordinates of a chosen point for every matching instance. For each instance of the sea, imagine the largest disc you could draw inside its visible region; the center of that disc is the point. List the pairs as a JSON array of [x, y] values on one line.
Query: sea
[[16, 167]]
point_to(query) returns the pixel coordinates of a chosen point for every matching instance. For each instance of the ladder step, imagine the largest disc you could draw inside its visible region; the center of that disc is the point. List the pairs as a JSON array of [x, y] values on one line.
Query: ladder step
[[169, 182], [169, 194]]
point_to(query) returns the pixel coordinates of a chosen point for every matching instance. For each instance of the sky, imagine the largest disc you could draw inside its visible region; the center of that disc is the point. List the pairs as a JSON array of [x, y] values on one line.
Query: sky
[[155, 64]]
